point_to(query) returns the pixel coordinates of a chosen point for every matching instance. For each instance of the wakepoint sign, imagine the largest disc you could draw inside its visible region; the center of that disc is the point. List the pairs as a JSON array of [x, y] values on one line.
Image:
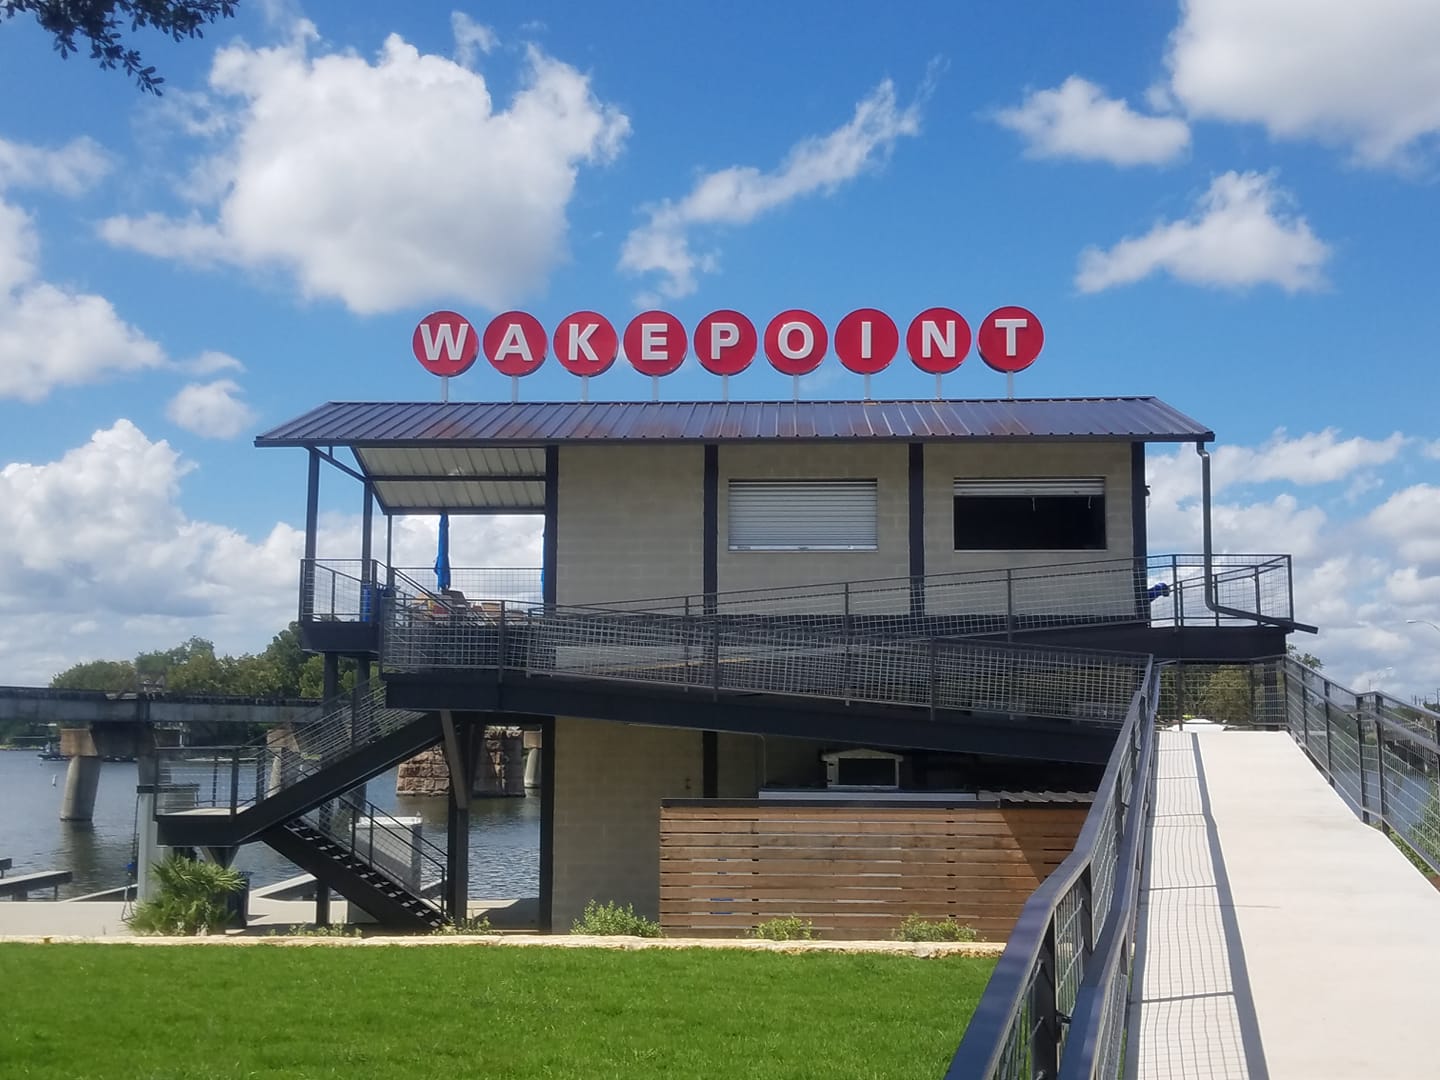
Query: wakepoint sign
[[725, 343]]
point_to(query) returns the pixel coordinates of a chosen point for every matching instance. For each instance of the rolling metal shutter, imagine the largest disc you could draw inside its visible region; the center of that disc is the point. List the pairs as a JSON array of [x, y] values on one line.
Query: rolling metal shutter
[[1055, 485], [803, 515]]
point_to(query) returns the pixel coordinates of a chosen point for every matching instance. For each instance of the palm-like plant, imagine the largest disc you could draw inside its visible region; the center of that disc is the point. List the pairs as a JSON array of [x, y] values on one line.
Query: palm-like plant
[[191, 900]]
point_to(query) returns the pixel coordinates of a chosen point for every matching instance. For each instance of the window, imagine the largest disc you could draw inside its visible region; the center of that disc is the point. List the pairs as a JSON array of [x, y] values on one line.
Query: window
[[802, 515], [1058, 514]]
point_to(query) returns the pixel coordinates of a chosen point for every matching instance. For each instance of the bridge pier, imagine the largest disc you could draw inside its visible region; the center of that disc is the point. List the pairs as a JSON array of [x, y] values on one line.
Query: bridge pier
[[82, 781]]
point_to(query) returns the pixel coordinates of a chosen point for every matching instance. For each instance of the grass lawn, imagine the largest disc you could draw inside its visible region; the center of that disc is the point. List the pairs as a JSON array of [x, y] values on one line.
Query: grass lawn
[[81, 1011]]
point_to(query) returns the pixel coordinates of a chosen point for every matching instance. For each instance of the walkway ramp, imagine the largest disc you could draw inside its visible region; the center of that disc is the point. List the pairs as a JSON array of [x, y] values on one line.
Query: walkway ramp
[[1279, 936]]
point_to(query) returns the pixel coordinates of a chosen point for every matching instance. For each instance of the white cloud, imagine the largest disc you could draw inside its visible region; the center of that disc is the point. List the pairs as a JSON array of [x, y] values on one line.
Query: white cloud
[[739, 194], [99, 560], [471, 38], [1359, 571], [1076, 120], [1317, 457], [70, 170], [1358, 75], [1239, 236], [211, 362], [390, 183], [53, 336], [212, 410], [1410, 519]]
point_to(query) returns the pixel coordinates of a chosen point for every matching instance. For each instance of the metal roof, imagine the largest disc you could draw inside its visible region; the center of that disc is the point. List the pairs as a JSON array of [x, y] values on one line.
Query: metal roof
[[537, 423]]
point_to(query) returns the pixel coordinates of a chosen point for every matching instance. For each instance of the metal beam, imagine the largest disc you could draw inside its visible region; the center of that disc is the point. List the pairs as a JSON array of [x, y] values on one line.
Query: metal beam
[[459, 767], [917, 527], [550, 549]]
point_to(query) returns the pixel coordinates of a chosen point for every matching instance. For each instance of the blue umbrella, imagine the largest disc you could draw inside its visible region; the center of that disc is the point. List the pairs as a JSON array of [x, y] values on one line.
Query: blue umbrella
[[442, 555]]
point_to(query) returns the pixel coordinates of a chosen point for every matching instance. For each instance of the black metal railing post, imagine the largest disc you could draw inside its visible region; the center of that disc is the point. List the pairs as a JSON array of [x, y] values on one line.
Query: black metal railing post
[[1178, 604], [1290, 585], [1360, 748], [501, 659], [934, 647], [1329, 733], [1009, 604], [234, 779], [1045, 1046], [1380, 769]]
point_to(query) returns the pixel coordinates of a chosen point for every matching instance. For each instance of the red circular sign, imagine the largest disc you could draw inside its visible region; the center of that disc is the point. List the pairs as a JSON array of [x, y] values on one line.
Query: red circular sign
[[515, 343], [725, 342], [585, 343], [1010, 339], [445, 343], [795, 342], [655, 343], [866, 341], [938, 340]]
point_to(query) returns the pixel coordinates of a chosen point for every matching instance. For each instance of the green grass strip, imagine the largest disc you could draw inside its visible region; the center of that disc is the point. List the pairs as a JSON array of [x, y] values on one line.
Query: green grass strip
[[97, 1011]]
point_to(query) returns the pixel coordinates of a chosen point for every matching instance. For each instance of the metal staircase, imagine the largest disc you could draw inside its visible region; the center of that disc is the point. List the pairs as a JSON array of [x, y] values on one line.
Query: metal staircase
[[381, 865], [241, 791]]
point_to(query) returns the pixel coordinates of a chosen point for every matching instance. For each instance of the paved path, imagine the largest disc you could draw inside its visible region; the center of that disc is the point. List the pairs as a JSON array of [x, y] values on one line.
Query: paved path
[[1279, 937]]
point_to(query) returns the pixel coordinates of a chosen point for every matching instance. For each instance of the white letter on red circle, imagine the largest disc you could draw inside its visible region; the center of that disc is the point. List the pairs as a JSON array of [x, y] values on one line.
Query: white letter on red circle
[[514, 343], [585, 343], [938, 340], [655, 343], [866, 341], [1010, 339], [725, 342], [795, 342], [445, 343]]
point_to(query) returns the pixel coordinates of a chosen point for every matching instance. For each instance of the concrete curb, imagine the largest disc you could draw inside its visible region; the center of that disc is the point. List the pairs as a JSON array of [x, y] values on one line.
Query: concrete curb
[[920, 949]]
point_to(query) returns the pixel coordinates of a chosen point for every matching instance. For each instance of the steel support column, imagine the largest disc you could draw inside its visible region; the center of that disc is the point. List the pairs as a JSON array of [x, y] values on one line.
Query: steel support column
[[547, 824], [917, 528]]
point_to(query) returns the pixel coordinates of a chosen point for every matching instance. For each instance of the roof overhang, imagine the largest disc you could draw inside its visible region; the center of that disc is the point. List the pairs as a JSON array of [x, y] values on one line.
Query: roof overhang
[[481, 457]]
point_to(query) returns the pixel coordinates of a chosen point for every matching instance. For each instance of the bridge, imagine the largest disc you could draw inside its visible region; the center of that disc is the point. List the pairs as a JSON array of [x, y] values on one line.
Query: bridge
[[1235, 906], [95, 725]]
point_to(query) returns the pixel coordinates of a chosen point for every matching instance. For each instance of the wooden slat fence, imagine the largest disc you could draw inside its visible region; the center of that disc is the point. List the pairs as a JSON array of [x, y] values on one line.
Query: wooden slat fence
[[853, 870]]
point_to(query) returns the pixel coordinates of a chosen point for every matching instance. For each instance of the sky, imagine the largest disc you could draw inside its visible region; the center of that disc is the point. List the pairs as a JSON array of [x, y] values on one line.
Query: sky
[[1228, 204]]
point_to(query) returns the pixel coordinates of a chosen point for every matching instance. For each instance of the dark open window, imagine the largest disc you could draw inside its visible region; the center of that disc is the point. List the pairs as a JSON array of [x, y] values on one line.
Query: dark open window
[[1064, 514]]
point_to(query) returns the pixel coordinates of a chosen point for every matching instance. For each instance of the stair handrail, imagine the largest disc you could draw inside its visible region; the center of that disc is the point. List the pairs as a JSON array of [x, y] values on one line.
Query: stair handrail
[[1051, 1006], [340, 820]]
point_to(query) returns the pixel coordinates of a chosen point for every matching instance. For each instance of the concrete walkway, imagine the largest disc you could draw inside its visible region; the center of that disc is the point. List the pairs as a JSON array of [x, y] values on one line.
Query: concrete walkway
[[1279, 936]]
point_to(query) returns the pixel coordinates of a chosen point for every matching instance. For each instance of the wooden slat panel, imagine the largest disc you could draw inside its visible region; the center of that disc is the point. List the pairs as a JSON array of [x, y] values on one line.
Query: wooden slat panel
[[856, 871]]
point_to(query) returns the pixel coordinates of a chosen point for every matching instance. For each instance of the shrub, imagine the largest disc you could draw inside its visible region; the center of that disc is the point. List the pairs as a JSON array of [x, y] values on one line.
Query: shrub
[[610, 918], [466, 926], [785, 928], [918, 928], [191, 898], [322, 930]]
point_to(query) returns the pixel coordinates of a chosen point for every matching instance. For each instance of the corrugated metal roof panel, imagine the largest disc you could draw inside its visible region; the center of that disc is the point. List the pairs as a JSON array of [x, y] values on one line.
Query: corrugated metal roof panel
[[1145, 419]]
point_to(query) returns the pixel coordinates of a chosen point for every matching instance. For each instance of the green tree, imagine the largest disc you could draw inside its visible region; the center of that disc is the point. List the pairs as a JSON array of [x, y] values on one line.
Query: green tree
[[112, 676], [1310, 660], [101, 22]]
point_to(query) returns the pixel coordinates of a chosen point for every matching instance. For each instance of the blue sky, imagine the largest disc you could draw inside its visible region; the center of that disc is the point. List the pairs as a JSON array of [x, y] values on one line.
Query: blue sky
[[1229, 204]]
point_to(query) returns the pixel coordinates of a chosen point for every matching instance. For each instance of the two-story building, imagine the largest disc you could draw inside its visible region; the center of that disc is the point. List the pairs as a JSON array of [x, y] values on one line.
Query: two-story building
[[901, 604]]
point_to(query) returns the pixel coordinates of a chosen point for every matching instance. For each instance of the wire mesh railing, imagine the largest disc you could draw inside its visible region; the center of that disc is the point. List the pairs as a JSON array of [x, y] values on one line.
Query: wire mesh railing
[[1162, 590], [720, 654], [235, 778], [389, 845], [1381, 754], [350, 590], [1056, 1003]]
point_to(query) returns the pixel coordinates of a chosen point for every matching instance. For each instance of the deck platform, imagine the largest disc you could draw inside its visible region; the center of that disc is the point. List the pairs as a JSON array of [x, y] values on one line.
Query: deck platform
[[1279, 936]]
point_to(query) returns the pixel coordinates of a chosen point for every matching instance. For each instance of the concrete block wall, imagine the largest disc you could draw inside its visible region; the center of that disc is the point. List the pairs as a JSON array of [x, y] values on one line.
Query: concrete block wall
[[630, 523], [886, 464], [609, 782], [947, 462]]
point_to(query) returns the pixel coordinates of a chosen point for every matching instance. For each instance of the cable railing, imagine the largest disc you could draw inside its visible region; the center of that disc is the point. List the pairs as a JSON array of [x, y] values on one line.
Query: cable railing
[[1381, 754], [718, 654], [1056, 1003], [234, 778], [398, 849]]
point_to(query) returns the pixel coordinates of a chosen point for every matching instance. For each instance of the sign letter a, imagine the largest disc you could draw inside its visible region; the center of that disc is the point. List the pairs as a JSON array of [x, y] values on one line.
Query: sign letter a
[[514, 343]]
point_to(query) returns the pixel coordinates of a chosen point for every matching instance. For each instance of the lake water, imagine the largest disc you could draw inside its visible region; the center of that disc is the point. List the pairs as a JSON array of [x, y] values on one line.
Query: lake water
[[504, 833]]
